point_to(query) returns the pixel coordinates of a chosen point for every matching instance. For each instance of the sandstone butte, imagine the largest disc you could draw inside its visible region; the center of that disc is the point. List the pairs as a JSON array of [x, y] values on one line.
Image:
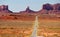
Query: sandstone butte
[[48, 11]]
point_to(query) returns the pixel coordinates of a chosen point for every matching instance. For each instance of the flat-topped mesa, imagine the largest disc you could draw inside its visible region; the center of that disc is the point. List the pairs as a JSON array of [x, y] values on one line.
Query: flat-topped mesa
[[56, 6], [4, 8], [50, 9], [47, 7]]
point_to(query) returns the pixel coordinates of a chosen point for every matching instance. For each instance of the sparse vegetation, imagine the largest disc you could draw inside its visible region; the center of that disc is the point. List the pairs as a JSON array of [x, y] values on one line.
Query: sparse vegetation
[[25, 26]]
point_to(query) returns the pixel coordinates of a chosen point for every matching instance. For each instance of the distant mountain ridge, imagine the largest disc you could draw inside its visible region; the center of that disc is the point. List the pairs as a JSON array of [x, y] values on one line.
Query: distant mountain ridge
[[46, 9]]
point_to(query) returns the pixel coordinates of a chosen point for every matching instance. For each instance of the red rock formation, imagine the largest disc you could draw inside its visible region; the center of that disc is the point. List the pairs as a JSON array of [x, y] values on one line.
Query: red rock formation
[[4, 9], [28, 11], [46, 9], [50, 9]]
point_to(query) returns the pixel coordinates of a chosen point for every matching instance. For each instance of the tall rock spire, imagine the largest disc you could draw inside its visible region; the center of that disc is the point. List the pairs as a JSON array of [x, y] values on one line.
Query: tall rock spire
[[27, 9]]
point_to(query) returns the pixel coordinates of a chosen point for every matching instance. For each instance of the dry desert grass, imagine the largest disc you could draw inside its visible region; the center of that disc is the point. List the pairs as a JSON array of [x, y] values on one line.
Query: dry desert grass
[[23, 26]]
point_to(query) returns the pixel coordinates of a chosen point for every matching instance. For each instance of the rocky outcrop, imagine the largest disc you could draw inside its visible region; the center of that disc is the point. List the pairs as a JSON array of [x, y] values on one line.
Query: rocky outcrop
[[50, 9], [4, 9], [46, 9], [28, 11]]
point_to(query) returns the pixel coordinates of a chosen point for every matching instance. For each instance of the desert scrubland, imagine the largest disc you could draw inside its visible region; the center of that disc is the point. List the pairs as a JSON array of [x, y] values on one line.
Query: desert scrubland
[[23, 26]]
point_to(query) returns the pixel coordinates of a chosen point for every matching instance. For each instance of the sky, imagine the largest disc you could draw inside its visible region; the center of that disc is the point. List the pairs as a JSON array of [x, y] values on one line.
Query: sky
[[21, 5]]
